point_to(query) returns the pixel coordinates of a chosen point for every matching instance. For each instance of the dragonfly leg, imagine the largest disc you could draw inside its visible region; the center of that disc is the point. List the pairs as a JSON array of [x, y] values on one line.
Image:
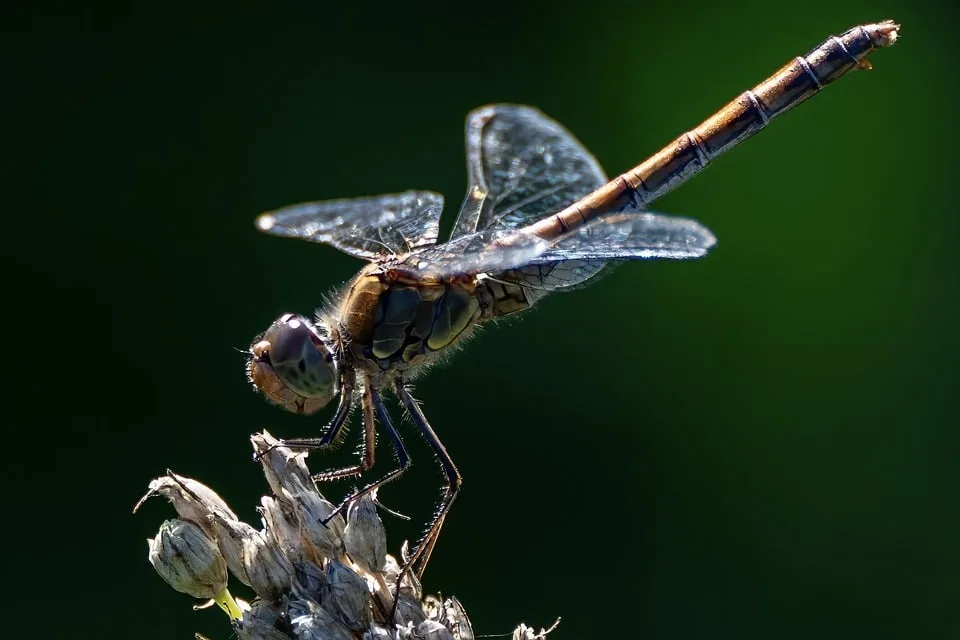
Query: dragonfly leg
[[373, 404], [367, 448], [421, 555], [332, 432]]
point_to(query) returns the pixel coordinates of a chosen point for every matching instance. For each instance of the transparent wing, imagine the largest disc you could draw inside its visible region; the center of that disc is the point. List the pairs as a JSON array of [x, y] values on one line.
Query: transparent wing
[[632, 236], [481, 252], [562, 262], [553, 276], [521, 166], [367, 228]]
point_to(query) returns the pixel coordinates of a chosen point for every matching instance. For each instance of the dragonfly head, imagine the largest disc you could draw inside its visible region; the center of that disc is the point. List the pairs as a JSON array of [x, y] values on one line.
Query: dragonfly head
[[294, 365]]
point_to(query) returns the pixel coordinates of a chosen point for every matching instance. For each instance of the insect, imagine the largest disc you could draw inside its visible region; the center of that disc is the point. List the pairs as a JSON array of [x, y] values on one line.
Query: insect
[[539, 216]]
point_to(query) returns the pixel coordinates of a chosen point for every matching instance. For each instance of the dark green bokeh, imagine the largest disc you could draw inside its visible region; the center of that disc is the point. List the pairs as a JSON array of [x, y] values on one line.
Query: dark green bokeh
[[760, 444]]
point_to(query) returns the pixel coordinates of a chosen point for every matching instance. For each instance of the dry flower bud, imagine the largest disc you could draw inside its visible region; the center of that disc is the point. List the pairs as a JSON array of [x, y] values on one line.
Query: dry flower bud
[[449, 613], [455, 618], [269, 571], [311, 622], [257, 631], [285, 470], [260, 622], [191, 500], [433, 630], [410, 584], [312, 510], [282, 526], [188, 559], [230, 536], [409, 609], [376, 632], [333, 582], [364, 536], [311, 579], [347, 595]]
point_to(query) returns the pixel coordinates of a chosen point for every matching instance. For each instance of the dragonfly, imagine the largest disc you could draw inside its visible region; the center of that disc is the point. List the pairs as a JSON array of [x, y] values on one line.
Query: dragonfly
[[539, 216]]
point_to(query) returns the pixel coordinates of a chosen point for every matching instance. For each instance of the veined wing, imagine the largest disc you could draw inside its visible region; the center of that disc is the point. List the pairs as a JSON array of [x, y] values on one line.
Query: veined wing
[[480, 252], [613, 237], [632, 236], [369, 227], [521, 166]]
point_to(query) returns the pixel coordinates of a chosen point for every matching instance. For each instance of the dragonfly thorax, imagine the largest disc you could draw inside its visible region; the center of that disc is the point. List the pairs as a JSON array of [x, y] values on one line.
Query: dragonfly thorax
[[393, 326], [293, 364]]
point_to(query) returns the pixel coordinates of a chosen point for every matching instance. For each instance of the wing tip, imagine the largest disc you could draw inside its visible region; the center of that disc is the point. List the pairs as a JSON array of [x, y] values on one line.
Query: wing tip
[[265, 222], [709, 240]]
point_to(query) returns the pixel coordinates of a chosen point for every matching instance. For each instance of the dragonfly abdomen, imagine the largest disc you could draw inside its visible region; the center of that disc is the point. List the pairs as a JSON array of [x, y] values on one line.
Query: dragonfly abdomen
[[750, 112]]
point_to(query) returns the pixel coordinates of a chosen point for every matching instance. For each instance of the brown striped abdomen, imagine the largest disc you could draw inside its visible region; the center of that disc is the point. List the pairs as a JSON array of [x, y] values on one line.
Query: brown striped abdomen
[[750, 112]]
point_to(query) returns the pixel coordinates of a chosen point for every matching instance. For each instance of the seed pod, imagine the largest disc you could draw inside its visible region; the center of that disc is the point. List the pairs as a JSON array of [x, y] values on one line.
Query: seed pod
[[261, 622], [230, 536], [347, 595], [324, 540], [309, 621], [433, 630], [188, 559], [364, 536], [286, 472], [191, 500], [269, 571]]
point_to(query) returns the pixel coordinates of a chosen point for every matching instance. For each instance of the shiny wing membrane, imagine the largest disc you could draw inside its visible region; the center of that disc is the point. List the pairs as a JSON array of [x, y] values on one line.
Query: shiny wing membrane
[[557, 263], [523, 166], [368, 228]]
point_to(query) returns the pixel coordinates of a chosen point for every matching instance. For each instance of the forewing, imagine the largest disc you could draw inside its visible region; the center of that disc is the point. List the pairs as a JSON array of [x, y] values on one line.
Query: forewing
[[367, 227], [521, 167]]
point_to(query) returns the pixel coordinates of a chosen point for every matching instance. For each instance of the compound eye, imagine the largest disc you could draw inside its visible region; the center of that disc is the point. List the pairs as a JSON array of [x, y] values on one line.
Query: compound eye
[[288, 337], [299, 357]]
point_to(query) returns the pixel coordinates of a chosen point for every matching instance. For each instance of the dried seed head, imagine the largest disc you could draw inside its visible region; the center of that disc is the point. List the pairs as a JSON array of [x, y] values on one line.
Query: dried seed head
[[282, 526], [188, 559], [323, 540], [449, 613], [310, 621], [376, 632], [270, 572], [312, 581], [455, 618], [286, 472], [260, 622], [433, 630], [191, 500], [409, 610], [230, 536], [257, 631], [364, 537], [347, 595]]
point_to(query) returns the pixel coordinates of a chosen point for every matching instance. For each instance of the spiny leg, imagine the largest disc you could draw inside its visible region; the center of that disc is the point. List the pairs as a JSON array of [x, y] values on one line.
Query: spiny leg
[[368, 447], [422, 553], [373, 403], [344, 404]]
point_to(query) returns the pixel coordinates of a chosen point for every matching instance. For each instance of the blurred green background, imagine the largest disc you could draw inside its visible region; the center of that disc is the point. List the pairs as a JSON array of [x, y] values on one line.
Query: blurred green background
[[760, 444]]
